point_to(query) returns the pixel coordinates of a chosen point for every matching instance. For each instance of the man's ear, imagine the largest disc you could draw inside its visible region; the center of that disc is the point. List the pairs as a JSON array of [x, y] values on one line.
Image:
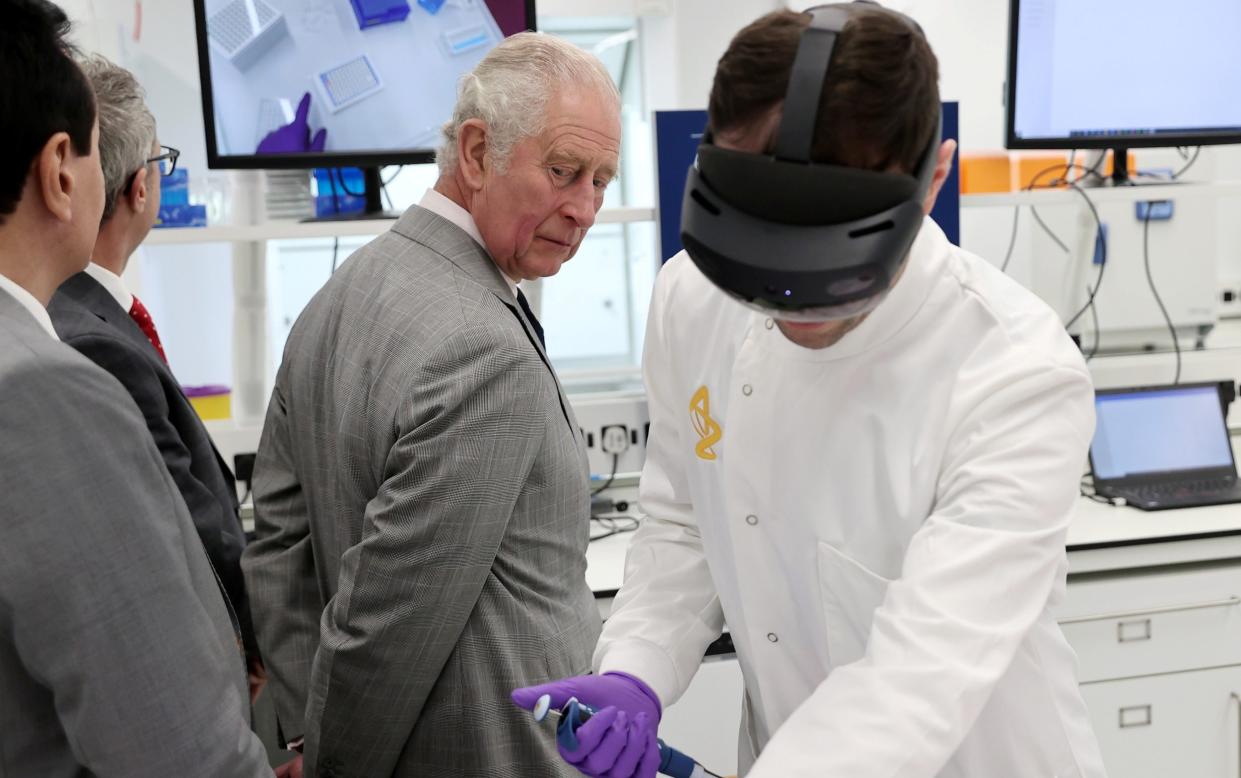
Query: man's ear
[[472, 153], [53, 179], [943, 166], [137, 196]]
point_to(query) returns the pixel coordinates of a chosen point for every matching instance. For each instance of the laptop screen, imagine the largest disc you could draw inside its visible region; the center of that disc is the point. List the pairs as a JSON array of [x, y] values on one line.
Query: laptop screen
[[1159, 431]]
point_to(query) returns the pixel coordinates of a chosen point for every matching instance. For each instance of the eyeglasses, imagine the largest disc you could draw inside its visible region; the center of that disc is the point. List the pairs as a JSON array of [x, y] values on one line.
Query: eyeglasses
[[167, 162]]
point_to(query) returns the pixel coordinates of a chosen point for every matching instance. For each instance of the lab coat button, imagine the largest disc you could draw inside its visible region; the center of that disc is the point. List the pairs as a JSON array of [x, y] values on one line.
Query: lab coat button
[[773, 637], [770, 323], [747, 390], [751, 520]]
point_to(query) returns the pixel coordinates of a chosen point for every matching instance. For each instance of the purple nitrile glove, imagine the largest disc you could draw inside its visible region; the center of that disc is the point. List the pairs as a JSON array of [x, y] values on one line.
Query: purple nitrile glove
[[294, 136], [619, 740]]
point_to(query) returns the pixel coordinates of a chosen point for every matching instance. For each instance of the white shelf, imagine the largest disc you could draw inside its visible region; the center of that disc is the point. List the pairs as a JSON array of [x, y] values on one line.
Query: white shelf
[[277, 230], [1103, 194]]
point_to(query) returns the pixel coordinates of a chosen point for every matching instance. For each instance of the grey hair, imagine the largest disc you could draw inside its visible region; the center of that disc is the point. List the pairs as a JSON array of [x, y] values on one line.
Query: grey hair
[[126, 126], [508, 91]]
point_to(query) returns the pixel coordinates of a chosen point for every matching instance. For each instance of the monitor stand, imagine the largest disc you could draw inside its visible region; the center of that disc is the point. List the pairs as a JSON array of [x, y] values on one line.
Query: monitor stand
[[1120, 167], [374, 201]]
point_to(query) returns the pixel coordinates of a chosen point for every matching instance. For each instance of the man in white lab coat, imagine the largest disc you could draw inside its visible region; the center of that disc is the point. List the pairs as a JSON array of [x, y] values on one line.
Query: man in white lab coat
[[875, 505]]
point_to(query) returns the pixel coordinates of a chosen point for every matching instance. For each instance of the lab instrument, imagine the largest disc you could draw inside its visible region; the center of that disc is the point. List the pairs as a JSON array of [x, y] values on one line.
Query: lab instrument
[[574, 714]]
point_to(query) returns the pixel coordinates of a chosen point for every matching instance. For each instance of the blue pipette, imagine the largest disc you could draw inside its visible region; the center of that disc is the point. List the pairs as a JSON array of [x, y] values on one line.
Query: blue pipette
[[574, 714]]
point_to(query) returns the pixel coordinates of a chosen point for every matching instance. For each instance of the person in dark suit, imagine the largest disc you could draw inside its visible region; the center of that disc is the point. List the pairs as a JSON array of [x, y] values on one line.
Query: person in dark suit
[[117, 655], [95, 313]]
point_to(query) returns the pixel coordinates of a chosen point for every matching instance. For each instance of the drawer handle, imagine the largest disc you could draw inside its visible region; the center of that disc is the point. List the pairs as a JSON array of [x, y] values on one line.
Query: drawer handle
[[1135, 716], [1133, 631], [1225, 603]]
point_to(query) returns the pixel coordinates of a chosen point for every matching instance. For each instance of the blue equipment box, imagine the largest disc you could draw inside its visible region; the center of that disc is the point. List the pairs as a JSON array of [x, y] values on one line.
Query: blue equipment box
[[375, 12], [181, 216], [339, 191], [175, 189], [1160, 210]]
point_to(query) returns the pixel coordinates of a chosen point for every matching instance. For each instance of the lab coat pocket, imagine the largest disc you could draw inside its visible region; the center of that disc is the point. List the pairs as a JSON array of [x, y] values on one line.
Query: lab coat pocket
[[850, 593]]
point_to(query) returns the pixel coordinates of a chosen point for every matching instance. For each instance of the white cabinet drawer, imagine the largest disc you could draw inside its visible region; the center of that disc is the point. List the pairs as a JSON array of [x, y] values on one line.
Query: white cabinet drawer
[[1182, 724], [1157, 640]]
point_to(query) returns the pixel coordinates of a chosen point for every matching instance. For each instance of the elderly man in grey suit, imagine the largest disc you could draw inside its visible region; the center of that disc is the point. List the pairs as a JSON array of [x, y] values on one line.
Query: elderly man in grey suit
[[421, 489], [117, 655]]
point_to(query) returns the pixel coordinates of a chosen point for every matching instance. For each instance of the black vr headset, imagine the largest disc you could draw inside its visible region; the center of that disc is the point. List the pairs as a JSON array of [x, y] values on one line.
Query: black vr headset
[[788, 236]]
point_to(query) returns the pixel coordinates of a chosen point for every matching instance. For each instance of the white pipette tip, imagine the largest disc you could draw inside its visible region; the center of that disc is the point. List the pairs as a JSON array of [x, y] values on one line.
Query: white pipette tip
[[542, 706]]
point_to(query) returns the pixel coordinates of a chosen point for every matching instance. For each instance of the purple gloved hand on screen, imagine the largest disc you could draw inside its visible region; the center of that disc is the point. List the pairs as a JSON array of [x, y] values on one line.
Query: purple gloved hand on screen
[[294, 136], [619, 741]]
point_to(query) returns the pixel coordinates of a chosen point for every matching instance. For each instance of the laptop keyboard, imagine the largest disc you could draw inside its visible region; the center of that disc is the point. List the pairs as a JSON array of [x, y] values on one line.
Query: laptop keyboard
[[1203, 486]]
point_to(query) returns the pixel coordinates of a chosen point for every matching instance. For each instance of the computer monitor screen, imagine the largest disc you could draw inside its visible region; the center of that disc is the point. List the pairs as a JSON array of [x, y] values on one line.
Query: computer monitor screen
[[1123, 73], [1159, 431], [310, 83]]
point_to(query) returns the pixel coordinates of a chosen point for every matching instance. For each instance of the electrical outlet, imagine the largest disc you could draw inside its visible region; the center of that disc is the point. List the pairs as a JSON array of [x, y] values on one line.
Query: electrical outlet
[[1230, 302], [615, 428], [614, 439]]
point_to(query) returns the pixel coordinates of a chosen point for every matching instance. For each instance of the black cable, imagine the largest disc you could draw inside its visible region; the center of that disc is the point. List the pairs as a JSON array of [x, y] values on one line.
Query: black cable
[[613, 526], [1098, 336], [344, 188], [611, 478], [1146, 261], [335, 248], [1012, 240], [392, 178], [1188, 164], [1066, 168], [1101, 245], [1046, 229]]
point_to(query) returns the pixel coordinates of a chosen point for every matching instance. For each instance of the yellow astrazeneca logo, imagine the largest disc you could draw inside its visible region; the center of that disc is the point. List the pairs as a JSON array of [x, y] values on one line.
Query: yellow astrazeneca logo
[[709, 432]]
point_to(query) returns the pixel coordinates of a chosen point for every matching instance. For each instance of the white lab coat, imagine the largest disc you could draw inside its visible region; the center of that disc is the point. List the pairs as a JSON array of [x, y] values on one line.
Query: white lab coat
[[882, 526]]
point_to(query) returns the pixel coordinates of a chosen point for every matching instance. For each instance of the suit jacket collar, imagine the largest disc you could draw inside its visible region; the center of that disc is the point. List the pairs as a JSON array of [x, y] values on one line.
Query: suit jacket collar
[[454, 244], [15, 315], [91, 295]]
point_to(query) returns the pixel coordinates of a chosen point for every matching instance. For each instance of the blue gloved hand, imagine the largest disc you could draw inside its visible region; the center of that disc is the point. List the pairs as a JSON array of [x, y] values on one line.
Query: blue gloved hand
[[619, 740], [294, 136]]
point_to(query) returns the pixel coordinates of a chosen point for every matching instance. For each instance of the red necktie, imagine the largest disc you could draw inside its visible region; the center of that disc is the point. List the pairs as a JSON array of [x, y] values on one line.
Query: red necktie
[[138, 312]]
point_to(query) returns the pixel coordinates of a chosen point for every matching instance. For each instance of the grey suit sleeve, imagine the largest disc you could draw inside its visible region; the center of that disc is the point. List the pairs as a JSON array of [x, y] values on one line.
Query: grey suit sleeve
[[104, 590], [280, 572], [467, 441]]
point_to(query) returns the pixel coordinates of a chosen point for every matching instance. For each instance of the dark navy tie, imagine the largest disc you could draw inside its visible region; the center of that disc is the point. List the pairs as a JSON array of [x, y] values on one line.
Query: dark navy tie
[[525, 308]]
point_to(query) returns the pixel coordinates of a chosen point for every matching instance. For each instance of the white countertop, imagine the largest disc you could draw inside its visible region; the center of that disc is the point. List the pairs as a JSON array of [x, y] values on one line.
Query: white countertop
[[1101, 537]]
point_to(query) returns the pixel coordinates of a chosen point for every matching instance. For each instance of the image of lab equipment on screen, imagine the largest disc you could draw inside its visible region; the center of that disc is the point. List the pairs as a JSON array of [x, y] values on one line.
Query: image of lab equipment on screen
[[342, 76]]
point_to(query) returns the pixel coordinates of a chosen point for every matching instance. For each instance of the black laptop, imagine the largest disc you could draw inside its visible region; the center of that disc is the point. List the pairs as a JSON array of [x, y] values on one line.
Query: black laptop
[[1160, 447]]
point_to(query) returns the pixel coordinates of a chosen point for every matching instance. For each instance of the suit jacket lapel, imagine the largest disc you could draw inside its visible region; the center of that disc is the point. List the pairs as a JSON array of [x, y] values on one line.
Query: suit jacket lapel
[[454, 244], [91, 294]]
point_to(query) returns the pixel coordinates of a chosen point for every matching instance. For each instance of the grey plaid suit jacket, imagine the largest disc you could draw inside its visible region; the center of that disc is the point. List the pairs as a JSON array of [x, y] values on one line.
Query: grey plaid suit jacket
[[117, 655], [422, 511]]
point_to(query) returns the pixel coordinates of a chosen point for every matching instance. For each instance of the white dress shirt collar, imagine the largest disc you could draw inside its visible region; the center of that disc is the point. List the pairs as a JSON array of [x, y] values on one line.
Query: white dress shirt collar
[[30, 303], [440, 205], [113, 283]]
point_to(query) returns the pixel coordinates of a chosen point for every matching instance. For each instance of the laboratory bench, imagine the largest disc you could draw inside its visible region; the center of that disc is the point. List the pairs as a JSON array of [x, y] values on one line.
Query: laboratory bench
[[1153, 610]]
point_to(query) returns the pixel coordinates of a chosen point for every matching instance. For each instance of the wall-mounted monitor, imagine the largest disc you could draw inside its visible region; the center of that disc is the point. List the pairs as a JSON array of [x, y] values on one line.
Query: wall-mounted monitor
[[1123, 73], [322, 83]]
